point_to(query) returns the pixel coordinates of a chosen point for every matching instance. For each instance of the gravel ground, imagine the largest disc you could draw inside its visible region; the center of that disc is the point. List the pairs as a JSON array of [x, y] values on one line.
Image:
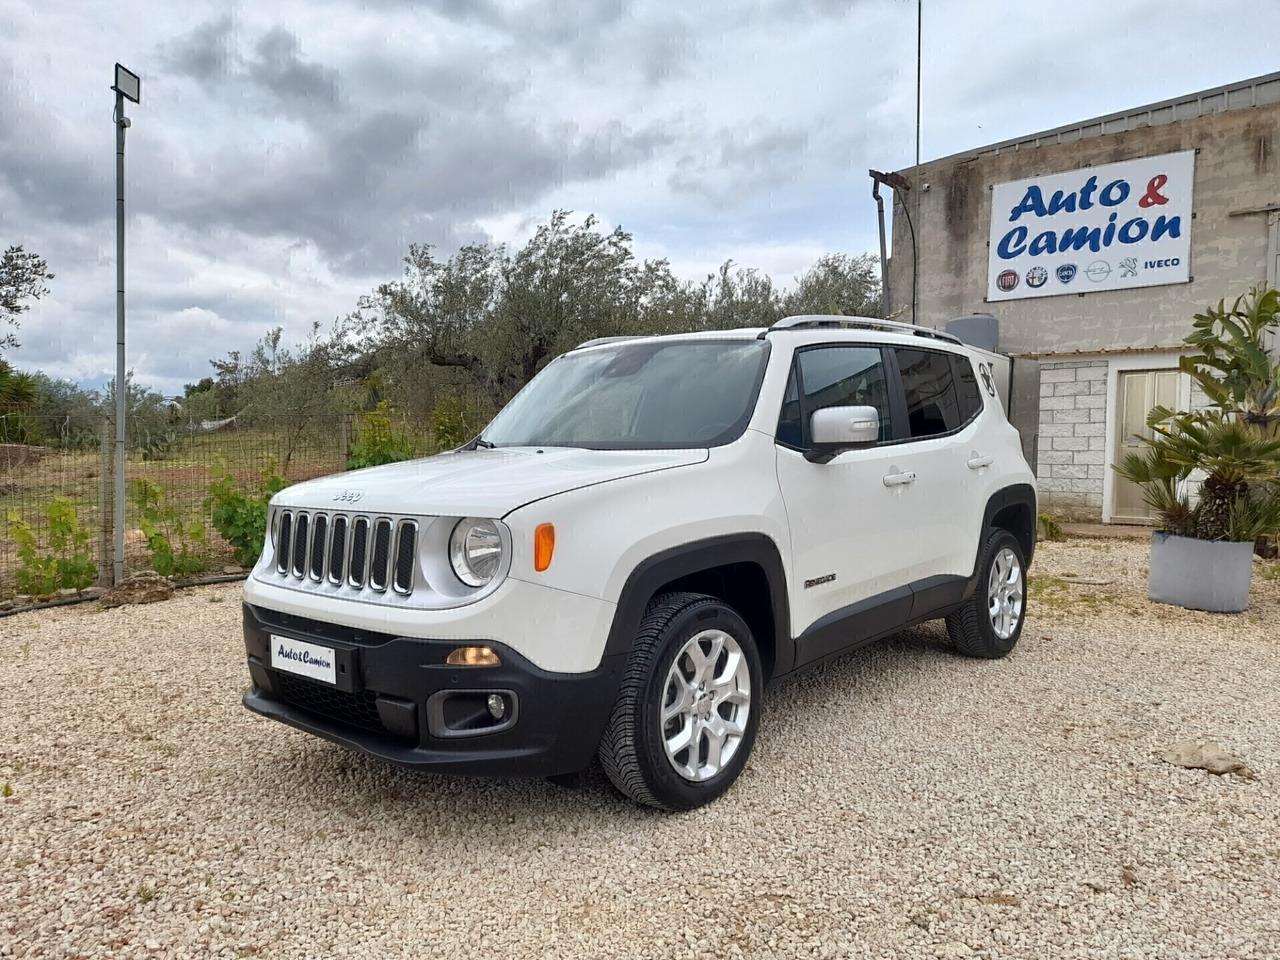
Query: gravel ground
[[901, 802]]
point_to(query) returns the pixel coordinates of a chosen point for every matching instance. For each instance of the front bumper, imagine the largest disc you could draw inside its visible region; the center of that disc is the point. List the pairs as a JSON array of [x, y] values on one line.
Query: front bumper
[[389, 701]]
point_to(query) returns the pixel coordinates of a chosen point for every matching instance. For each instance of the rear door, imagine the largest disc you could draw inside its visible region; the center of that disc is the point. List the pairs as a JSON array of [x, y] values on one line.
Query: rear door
[[943, 448], [847, 516]]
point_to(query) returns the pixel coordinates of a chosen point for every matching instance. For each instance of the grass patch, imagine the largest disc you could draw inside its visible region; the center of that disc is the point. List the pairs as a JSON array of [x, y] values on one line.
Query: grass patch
[[1059, 594]]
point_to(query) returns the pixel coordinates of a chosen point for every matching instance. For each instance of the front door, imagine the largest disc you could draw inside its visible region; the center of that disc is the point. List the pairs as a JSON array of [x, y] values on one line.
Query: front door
[[852, 519], [1138, 391]]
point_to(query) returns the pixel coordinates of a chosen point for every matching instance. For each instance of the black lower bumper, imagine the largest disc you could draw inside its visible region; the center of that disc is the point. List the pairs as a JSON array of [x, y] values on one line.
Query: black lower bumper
[[396, 699]]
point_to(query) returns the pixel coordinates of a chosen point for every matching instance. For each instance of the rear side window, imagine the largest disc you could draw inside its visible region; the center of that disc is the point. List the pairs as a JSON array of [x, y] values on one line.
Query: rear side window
[[967, 387], [841, 376], [929, 385]]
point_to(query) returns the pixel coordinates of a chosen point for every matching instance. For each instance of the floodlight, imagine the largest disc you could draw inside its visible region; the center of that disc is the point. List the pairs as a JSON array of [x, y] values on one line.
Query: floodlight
[[127, 84]]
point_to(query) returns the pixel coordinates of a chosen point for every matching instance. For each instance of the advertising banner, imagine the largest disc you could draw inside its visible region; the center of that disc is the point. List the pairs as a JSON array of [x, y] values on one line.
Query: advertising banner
[[1110, 227]]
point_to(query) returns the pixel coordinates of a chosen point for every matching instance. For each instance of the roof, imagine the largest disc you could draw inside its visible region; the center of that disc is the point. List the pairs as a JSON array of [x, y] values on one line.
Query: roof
[[1241, 95]]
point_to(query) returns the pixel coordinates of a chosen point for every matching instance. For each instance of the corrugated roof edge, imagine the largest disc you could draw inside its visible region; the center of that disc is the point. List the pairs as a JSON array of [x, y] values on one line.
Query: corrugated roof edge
[[1261, 90]]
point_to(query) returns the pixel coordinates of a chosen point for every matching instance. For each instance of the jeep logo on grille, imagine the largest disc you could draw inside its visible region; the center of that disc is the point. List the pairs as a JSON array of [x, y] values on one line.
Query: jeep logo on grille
[[348, 496]]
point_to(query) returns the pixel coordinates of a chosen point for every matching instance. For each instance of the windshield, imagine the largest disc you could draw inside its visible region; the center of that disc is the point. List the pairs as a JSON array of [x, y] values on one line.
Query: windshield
[[641, 395]]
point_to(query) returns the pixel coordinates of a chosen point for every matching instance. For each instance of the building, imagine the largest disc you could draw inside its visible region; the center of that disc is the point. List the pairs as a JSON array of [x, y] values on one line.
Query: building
[[1094, 245]]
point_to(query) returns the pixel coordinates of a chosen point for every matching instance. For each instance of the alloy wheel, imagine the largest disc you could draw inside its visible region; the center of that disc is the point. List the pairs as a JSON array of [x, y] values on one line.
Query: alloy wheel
[[1004, 593], [706, 700]]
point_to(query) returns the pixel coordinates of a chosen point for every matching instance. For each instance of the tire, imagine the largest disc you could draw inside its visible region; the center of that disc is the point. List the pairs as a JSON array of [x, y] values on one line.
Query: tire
[[977, 630], [634, 748]]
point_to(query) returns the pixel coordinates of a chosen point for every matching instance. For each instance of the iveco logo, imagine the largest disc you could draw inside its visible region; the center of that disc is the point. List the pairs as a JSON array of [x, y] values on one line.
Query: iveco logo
[[348, 496]]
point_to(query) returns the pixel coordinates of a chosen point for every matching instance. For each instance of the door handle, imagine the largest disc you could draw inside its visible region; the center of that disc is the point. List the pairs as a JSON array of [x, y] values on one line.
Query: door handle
[[977, 463], [899, 479]]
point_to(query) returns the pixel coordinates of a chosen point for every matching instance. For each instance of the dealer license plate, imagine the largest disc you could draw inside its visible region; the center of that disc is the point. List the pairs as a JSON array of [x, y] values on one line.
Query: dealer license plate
[[305, 659]]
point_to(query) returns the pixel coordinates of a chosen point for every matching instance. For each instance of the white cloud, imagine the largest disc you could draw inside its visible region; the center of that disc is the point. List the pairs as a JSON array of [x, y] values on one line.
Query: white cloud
[[285, 154]]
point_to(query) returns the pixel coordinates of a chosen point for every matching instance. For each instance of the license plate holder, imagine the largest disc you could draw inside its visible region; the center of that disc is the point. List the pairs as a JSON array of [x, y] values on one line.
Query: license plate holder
[[321, 663]]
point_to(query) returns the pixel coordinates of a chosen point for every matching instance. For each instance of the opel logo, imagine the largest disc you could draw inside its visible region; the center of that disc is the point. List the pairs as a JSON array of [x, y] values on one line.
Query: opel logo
[[348, 496]]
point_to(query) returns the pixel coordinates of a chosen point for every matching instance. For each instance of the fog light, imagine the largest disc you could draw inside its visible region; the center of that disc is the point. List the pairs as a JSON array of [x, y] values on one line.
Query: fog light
[[472, 657], [497, 706]]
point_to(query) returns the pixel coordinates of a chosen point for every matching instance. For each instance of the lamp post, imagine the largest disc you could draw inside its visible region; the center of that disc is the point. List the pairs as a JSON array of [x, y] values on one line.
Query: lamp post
[[127, 86]]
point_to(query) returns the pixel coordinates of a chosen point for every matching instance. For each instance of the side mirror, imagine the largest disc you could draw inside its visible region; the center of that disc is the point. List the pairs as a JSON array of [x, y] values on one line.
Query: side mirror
[[836, 429]]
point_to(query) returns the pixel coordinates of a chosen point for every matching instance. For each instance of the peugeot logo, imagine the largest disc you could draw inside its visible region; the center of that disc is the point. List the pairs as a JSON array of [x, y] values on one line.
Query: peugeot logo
[[348, 496]]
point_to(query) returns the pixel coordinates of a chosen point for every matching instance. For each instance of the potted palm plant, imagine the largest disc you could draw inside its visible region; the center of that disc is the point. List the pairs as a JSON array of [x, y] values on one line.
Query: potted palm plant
[[1212, 475]]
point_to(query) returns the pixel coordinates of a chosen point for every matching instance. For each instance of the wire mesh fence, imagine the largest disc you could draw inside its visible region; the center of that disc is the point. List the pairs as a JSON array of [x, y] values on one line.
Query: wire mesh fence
[[57, 488]]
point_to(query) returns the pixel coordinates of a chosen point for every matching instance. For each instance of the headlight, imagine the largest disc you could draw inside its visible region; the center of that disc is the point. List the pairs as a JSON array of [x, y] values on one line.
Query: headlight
[[475, 551]]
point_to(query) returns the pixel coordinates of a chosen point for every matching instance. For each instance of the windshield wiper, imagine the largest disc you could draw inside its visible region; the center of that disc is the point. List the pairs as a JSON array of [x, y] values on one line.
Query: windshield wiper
[[480, 442]]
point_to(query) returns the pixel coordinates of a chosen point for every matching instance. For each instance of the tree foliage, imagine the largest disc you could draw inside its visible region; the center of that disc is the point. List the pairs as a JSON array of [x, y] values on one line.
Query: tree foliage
[[493, 317], [22, 279]]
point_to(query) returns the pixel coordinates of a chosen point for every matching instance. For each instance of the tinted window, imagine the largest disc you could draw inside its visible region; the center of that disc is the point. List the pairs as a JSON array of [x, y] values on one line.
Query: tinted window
[[967, 386], [929, 385], [789, 431], [834, 377]]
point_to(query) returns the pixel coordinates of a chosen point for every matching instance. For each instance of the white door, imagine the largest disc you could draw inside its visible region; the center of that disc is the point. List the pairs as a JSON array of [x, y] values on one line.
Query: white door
[[1137, 392], [851, 518], [949, 456]]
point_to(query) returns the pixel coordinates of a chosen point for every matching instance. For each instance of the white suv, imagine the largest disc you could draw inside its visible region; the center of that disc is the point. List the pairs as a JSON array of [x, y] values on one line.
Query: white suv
[[650, 532]]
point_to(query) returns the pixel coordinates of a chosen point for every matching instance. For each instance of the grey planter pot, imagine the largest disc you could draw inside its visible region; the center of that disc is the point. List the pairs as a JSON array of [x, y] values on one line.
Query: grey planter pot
[[1209, 575]]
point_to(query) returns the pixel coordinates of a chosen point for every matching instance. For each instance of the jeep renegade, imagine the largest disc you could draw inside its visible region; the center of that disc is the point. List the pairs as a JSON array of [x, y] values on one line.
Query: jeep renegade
[[649, 533]]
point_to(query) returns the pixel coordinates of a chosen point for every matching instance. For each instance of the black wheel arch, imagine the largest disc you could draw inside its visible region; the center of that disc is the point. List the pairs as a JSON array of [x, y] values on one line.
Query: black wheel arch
[[744, 570], [1012, 508]]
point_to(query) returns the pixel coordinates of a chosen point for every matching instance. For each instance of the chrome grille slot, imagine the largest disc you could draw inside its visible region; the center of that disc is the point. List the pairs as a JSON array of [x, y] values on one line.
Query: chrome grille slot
[[380, 564], [338, 550], [343, 552], [406, 554], [301, 533], [284, 539], [359, 552], [319, 531]]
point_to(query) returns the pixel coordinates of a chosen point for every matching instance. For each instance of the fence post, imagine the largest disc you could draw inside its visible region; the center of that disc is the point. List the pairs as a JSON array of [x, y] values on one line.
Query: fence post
[[106, 501]]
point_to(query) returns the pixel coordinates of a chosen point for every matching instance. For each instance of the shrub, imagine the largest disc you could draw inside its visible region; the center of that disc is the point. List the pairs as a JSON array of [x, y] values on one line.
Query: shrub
[[452, 423], [177, 544], [67, 564], [377, 441], [1051, 528], [240, 516]]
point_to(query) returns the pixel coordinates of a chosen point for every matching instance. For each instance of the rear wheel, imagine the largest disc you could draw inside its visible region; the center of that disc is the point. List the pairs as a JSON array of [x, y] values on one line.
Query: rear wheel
[[686, 716], [990, 622]]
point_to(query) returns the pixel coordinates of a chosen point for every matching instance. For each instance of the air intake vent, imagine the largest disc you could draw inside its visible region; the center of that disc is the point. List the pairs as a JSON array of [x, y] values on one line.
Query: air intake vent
[[320, 527], [284, 539], [378, 567], [338, 550], [300, 530], [406, 553], [359, 552]]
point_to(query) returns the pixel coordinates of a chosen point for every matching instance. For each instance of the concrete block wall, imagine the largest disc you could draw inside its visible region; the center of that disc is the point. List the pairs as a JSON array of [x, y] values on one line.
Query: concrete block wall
[[1071, 466]]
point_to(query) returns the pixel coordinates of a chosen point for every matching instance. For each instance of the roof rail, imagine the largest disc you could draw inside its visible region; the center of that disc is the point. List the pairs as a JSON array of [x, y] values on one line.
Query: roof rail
[[817, 321], [599, 340]]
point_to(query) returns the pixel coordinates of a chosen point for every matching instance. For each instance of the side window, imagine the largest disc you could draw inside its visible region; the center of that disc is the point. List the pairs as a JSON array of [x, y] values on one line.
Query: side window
[[929, 386], [833, 377], [789, 431], [967, 385]]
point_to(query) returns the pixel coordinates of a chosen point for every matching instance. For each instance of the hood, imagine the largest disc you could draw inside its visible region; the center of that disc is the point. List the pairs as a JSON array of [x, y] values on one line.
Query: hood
[[477, 483]]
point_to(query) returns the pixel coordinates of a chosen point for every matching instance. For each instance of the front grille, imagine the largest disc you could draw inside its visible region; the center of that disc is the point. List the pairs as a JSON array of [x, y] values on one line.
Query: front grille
[[353, 709], [361, 552]]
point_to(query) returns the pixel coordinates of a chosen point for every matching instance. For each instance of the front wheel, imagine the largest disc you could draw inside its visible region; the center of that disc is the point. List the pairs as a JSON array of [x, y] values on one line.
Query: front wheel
[[686, 716], [990, 622]]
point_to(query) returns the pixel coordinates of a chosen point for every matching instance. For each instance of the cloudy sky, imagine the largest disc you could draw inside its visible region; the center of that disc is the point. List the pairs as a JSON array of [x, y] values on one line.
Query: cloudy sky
[[286, 153]]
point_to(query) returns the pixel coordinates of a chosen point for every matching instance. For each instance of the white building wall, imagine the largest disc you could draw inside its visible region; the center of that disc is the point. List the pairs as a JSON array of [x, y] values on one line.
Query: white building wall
[[1072, 467]]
